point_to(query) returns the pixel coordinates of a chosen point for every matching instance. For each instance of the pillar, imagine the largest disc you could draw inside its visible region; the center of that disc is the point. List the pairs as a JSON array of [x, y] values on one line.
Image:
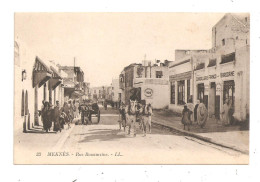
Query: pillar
[[36, 118], [176, 93], [54, 97], [186, 91]]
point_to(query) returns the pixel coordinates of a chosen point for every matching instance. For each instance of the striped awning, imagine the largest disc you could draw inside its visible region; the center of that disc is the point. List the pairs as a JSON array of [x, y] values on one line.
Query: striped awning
[[41, 72], [55, 79]]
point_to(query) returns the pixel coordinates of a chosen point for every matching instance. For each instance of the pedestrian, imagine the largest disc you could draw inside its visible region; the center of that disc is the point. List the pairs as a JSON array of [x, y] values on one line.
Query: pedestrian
[[122, 117], [186, 121], [77, 108], [131, 117], [147, 118], [71, 112], [56, 117], [195, 110], [46, 115], [225, 113], [66, 110], [105, 105], [202, 115], [139, 111]]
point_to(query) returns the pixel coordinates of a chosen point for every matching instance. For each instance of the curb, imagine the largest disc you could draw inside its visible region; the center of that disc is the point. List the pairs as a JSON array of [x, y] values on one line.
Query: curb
[[205, 139]]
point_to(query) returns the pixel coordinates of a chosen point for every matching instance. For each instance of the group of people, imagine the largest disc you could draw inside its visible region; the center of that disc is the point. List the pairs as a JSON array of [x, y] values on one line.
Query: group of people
[[199, 114], [136, 113], [57, 115]]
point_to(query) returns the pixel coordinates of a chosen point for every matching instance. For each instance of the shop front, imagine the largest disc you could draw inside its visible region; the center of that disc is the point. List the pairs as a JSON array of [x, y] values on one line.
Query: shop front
[[41, 74], [214, 87], [180, 90]]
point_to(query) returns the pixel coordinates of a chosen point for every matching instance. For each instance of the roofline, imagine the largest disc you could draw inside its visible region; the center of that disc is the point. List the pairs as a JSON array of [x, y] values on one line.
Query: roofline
[[179, 63]]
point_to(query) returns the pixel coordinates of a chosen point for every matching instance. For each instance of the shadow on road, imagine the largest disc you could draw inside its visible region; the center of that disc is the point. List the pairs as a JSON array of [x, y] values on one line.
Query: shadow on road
[[102, 135], [38, 131]]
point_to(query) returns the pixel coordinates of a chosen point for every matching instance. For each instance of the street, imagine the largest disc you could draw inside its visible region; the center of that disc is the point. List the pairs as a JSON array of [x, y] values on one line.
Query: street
[[109, 145]]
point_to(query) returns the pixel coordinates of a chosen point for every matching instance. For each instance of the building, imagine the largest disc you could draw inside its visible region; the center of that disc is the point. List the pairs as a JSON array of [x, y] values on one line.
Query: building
[[181, 77], [217, 74], [35, 81], [146, 81], [101, 93], [226, 71], [73, 83], [116, 92], [86, 90]]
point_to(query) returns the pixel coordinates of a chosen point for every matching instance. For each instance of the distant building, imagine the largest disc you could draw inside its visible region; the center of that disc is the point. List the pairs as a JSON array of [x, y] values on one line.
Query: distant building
[[73, 84], [116, 92], [146, 81]]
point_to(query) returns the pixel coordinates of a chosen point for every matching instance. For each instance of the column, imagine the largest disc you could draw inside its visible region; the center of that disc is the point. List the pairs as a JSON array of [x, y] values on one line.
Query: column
[[54, 96], [50, 94], [36, 118], [176, 93], [186, 91]]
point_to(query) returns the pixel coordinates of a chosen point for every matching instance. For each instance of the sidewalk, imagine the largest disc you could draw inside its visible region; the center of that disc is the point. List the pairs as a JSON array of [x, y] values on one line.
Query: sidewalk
[[214, 132]]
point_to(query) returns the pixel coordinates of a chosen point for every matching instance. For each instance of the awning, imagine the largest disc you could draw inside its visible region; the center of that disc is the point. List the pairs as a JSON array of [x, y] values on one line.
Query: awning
[[200, 66], [55, 79], [212, 62], [77, 94], [68, 91], [228, 58], [41, 72]]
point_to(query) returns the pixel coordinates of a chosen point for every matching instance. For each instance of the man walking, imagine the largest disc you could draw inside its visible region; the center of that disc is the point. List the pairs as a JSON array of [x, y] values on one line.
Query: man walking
[[132, 117], [147, 118]]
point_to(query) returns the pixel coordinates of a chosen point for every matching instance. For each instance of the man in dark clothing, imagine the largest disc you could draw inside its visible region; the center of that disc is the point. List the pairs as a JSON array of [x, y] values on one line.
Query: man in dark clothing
[[94, 110], [195, 110]]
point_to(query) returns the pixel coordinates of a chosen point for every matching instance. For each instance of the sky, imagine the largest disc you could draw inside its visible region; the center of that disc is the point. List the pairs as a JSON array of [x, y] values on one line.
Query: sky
[[104, 43]]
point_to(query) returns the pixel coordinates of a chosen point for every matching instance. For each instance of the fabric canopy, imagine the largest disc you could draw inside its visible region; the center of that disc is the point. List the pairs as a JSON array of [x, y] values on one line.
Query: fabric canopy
[[41, 72]]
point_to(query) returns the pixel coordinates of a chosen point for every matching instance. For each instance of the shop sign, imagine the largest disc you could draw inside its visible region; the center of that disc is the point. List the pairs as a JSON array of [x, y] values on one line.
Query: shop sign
[[148, 92], [227, 74], [202, 78], [213, 76]]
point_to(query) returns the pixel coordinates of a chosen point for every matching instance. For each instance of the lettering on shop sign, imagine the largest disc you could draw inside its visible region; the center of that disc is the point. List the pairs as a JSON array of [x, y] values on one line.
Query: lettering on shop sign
[[202, 78], [227, 74], [148, 92], [213, 76]]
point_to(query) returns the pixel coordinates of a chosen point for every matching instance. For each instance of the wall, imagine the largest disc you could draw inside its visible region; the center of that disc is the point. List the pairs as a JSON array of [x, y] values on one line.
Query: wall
[[159, 98], [115, 90]]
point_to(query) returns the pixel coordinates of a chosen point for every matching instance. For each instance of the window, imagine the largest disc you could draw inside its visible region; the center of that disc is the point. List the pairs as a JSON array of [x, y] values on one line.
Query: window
[[223, 42], [228, 58], [181, 92], [159, 74], [172, 92], [246, 19], [200, 66], [212, 62]]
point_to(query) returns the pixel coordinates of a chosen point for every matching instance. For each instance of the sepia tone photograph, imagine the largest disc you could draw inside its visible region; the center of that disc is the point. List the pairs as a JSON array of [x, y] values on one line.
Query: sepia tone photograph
[[131, 88]]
